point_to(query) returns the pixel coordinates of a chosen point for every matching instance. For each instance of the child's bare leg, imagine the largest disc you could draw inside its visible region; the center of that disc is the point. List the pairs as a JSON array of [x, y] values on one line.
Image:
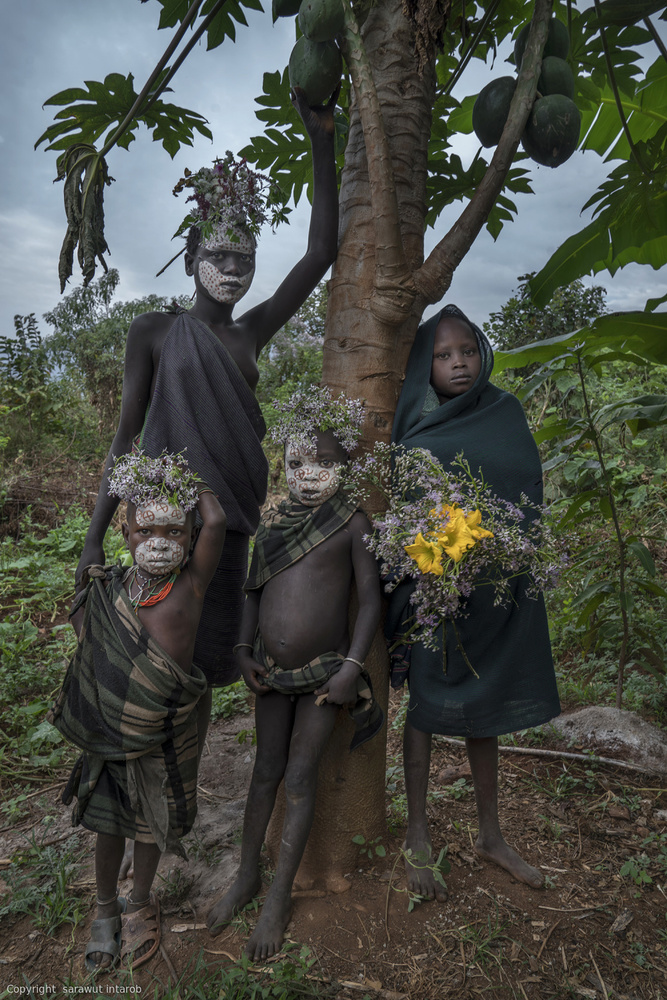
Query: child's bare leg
[[490, 845], [108, 855], [203, 718], [311, 731], [416, 763], [274, 717]]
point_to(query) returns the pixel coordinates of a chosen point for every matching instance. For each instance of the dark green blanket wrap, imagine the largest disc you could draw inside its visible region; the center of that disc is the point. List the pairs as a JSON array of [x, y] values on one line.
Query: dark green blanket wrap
[[508, 646], [132, 710]]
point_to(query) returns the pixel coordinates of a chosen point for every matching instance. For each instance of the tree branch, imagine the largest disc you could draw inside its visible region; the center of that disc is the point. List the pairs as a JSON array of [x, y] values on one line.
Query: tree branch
[[435, 275], [390, 262], [173, 45]]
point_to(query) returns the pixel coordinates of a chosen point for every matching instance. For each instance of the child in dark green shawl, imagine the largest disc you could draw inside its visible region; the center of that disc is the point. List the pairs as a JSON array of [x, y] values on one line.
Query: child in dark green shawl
[[448, 406]]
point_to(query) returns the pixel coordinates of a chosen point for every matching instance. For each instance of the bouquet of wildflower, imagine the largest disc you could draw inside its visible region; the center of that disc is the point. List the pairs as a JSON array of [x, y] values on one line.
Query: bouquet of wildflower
[[230, 194], [136, 478], [447, 531], [316, 409]]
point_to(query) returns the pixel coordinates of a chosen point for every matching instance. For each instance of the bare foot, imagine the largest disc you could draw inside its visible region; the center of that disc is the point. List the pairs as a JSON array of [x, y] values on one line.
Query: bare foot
[[502, 854], [237, 896], [421, 880], [267, 938], [127, 864]]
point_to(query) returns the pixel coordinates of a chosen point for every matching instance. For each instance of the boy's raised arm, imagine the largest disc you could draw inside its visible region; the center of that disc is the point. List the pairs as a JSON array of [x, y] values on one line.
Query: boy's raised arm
[[206, 556]]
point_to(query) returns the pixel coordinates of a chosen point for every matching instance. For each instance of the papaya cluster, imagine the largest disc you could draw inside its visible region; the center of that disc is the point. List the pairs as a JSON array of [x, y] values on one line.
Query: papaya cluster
[[315, 64], [552, 130]]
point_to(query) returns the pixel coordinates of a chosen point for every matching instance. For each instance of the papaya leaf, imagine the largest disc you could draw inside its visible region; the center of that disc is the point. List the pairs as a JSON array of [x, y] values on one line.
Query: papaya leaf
[[99, 110], [652, 304], [622, 12], [222, 26]]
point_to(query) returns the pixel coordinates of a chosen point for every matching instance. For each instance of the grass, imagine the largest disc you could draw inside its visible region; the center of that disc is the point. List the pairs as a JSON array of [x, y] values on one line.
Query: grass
[[39, 877], [36, 580], [291, 978]]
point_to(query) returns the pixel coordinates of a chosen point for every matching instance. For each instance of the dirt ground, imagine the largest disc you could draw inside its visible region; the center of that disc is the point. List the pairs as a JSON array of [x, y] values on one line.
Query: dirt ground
[[591, 932]]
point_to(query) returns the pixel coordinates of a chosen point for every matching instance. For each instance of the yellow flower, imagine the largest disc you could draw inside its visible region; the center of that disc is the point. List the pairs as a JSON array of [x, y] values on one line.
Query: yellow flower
[[427, 555], [473, 520]]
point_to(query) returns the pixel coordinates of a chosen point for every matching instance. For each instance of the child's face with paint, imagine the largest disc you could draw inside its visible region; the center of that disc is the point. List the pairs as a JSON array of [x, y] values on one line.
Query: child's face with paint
[[314, 476], [456, 358], [159, 536]]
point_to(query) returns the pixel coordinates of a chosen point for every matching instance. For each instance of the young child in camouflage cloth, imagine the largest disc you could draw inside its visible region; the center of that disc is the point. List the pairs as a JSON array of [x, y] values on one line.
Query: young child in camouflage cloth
[[130, 695], [296, 653]]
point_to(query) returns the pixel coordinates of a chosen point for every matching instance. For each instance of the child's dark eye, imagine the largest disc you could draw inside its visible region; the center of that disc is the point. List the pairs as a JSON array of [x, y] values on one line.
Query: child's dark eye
[[294, 464], [327, 464]]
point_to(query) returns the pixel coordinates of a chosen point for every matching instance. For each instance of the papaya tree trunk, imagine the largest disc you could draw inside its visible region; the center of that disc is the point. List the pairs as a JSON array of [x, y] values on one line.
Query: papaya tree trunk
[[378, 292]]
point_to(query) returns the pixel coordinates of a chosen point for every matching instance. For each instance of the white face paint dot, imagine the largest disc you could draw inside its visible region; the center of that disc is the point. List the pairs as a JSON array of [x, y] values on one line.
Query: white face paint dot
[[220, 239], [225, 288]]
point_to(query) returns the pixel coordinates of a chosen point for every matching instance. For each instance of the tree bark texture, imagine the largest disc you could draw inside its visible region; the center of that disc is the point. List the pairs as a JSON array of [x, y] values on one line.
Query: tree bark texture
[[379, 290]]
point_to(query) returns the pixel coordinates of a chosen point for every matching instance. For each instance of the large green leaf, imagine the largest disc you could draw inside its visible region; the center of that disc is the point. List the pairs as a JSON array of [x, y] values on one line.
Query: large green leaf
[[222, 26], [99, 110], [644, 333], [638, 413], [621, 12]]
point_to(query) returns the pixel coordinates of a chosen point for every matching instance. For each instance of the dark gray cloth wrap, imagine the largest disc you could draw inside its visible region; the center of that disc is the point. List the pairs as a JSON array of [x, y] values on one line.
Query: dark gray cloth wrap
[[202, 404]]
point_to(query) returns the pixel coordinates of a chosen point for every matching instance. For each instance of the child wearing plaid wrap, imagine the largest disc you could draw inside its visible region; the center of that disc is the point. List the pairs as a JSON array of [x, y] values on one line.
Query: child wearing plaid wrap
[[296, 654], [130, 695]]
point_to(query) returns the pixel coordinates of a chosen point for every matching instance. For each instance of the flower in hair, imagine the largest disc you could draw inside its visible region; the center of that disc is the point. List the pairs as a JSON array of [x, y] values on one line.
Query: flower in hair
[[139, 479], [316, 409]]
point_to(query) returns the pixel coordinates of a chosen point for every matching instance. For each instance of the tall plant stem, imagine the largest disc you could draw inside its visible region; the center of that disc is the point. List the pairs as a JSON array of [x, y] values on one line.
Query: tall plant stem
[[623, 655]]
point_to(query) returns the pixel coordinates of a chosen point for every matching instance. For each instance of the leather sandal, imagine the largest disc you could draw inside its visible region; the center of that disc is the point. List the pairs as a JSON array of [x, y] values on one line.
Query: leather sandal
[[105, 937], [139, 928]]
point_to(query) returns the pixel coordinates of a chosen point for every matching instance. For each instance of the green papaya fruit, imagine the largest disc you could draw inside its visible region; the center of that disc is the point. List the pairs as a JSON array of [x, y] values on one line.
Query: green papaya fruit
[[557, 43], [316, 68], [321, 20], [556, 77], [491, 109], [552, 132], [285, 8]]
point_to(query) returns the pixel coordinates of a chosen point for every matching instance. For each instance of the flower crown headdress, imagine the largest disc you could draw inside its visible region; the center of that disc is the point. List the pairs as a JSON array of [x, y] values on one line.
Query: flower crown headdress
[[138, 479], [315, 409], [232, 196]]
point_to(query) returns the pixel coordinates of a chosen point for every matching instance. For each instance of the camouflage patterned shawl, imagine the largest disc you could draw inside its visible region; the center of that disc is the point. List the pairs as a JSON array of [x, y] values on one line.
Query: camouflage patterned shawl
[[124, 698], [289, 532], [365, 713]]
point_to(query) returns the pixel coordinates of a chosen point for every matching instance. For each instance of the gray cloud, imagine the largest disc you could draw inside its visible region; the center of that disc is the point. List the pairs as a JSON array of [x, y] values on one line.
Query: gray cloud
[[50, 46]]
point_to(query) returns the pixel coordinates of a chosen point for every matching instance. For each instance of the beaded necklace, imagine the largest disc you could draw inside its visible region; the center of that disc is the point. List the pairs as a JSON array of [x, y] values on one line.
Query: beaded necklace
[[156, 590]]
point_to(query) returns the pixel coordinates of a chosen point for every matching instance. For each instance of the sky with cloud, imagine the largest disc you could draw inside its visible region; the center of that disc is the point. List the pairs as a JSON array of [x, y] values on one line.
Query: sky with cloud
[[50, 45]]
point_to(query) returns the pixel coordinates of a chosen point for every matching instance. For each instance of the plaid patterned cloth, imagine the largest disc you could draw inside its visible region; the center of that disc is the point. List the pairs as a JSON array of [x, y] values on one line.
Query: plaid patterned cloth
[[365, 713], [290, 531], [130, 707]]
